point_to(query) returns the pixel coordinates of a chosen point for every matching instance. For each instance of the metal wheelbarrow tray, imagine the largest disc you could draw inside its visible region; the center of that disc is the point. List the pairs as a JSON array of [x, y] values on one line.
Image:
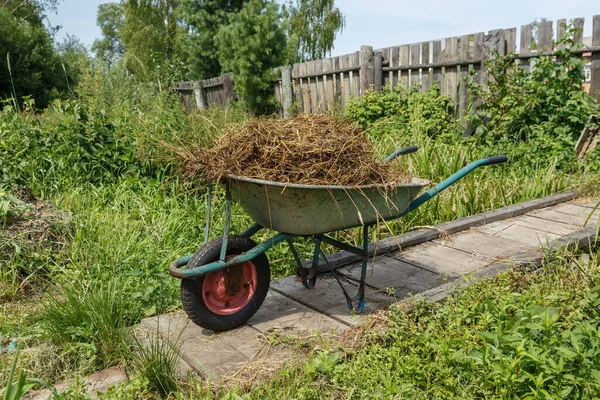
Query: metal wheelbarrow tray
[[227, 279]]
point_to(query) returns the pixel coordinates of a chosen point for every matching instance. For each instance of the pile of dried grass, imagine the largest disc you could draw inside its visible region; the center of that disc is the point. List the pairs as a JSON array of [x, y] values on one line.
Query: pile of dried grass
[[307, 149]]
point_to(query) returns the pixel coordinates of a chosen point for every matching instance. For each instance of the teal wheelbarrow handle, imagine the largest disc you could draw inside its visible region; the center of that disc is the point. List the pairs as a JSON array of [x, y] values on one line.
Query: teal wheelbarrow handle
[[449, 181]]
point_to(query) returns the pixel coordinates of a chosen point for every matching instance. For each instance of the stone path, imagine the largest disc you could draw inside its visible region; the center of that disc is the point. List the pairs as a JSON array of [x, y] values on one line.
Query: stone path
[[293, 310]]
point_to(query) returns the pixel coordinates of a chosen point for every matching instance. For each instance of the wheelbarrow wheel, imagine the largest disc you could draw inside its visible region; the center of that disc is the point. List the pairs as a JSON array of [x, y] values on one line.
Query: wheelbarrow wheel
[[227, 298]]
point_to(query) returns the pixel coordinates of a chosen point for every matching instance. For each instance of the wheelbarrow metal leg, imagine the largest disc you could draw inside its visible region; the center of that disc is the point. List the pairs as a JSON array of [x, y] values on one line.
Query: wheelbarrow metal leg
[[227, 220], [208, 212], [363, 271], [311, 277]]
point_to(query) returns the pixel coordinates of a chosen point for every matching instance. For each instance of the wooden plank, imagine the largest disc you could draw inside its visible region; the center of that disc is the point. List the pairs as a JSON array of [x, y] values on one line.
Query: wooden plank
[[436, 58], [378, 71], [328, 104], [525, 45], [463, 55], [337, 84], [404, 60], [587, 140], [306, 106], [545, 35], [314, 95], [595, 66], [321, 101], [385, 53], [443, 260], [483, 245], [425, 72], [561, 32], [415, 56], [346, 86], [510, 35], [287, 93], [297, 88], [573, 215], [543, 225], [528, 236], [578, 25], [327, 298], [394, 62], [354, 75], [388, 273], [451, 54], [367, 71]]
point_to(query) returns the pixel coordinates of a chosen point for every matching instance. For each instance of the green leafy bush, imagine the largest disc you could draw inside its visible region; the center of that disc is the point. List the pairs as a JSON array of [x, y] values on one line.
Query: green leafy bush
[[538, 113], [406, 109]]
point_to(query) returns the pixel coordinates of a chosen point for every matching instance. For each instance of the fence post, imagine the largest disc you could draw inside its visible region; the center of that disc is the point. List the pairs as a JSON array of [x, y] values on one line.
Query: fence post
[[227, 87], [367, 70], [286, 82], [595, 67], [378, 71], [199, 95]]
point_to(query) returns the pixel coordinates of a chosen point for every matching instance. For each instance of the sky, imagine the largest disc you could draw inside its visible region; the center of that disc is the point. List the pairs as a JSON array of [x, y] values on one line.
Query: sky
[[383, 23]]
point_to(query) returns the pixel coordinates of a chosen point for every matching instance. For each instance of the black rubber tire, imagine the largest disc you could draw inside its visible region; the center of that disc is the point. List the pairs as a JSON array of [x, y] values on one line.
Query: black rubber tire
[[191, 295]]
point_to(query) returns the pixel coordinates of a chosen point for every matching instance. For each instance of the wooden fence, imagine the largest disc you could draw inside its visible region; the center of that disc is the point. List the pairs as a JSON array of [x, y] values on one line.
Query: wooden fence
[[328, 84]]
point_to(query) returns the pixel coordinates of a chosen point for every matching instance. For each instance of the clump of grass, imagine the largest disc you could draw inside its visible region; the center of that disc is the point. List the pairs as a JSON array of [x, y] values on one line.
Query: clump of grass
[[94, 316], [307, 149], [155, 360]]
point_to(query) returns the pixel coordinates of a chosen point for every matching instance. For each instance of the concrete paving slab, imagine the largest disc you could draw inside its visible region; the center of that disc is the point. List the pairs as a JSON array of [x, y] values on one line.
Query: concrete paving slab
[[442, 260], [327, 297], [386, 272], [480, 244]]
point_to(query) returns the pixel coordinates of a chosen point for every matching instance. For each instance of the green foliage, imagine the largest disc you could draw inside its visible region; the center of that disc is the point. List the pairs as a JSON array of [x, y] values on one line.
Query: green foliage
[[205, 18], [95, 317], [110, 19], [251, 46], [29, 65], [76, 146], [15, 390], [405, 109], [538, 114], [312, 26], [156, 362], [152, 37], [10, 207]]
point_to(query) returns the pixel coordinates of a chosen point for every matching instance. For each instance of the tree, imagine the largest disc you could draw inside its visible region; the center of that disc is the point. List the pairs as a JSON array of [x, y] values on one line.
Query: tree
[[74, 57], [29, 64], [204, 18], [252, 45], [151, 34], [110, 19], [312, 27]]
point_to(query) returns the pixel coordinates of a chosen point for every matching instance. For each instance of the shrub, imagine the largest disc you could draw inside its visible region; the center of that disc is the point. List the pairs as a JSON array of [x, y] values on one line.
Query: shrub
[[540, 113], [408, 110]]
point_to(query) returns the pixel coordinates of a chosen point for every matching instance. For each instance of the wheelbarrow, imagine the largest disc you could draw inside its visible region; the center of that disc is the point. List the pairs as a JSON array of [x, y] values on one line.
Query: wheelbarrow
[[226, 281]]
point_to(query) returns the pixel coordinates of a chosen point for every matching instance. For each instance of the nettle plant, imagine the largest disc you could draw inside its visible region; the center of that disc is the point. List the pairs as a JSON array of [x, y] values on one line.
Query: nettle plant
[[544, 108]]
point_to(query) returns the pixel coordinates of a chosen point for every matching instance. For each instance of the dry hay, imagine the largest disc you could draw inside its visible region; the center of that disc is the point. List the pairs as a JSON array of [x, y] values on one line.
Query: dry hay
[[307, 149]]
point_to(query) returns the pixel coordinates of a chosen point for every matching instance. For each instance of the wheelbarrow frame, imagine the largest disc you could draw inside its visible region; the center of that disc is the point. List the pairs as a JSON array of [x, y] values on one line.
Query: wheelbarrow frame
[[308, 275]]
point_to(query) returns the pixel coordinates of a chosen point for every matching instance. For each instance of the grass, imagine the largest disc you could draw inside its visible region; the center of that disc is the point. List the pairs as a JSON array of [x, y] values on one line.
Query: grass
[[95, 317], [156, 362]]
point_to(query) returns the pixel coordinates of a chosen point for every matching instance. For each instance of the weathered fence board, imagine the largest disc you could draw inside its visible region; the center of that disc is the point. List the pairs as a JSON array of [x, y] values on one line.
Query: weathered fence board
[[328, 85]]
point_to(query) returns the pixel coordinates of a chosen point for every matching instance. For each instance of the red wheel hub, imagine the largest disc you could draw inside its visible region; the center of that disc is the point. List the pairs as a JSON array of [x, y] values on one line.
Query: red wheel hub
[[228, 291]]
